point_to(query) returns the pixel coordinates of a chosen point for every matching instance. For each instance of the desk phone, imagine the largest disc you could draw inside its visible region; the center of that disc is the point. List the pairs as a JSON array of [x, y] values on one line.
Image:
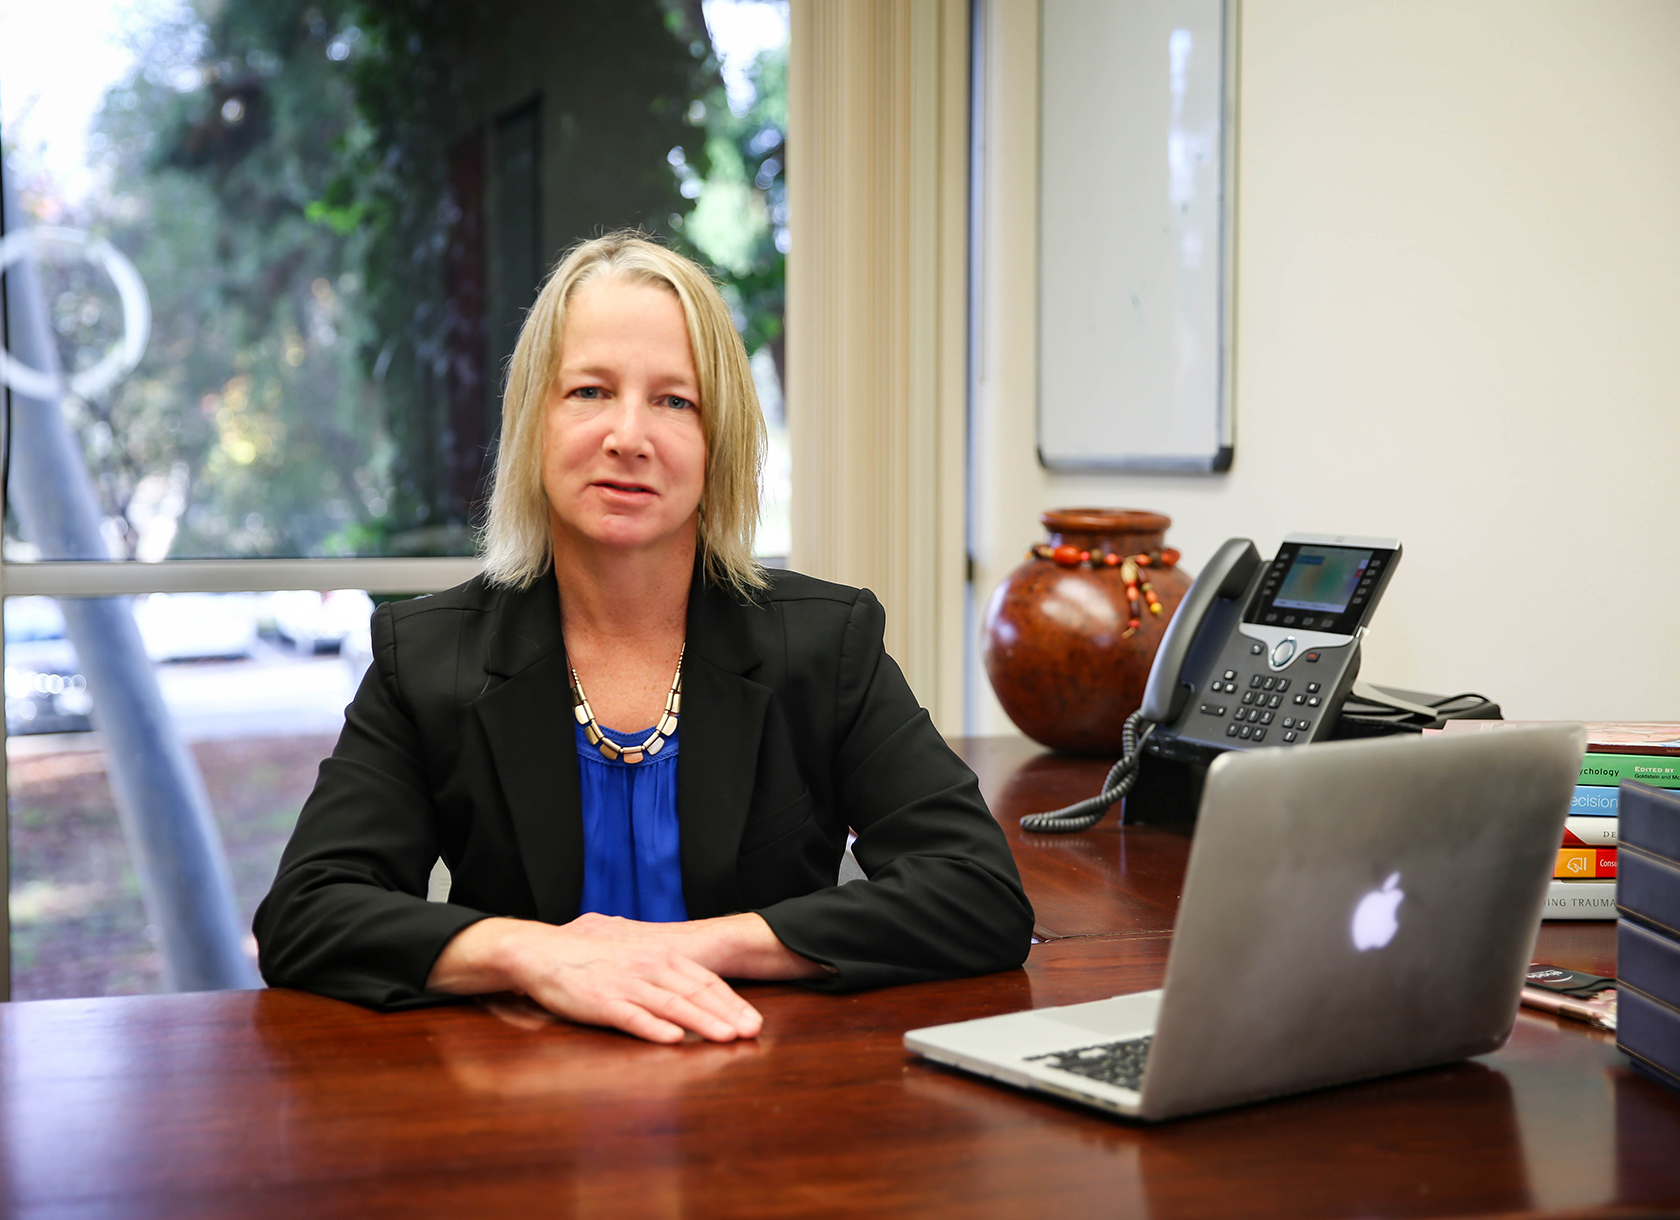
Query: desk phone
[[1265, 654], [1258, 655]]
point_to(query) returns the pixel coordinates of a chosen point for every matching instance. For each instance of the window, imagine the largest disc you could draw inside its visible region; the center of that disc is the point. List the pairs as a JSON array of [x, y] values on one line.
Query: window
[[280, 252]]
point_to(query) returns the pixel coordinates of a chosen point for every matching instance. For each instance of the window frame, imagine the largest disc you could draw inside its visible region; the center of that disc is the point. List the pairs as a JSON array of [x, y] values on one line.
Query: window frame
[[118, 578]]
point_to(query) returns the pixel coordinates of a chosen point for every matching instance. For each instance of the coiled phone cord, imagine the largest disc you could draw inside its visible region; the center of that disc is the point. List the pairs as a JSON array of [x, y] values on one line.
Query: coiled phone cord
[[1082, 815]]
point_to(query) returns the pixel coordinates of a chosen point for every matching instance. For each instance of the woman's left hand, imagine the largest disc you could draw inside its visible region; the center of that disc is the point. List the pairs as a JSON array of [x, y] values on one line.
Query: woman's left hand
[[653, 980], [630, 982], [732, 946]]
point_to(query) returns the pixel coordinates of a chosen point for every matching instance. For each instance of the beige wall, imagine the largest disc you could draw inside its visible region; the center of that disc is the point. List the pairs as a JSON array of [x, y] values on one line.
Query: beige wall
[[1457, 322]]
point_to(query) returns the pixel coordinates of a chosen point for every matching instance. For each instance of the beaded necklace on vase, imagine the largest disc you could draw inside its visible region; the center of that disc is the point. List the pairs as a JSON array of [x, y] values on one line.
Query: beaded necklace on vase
[[1134, 571], [655, 741]]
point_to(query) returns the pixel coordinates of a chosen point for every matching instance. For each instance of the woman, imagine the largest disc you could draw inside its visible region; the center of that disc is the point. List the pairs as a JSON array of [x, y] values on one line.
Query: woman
[[614, 877]]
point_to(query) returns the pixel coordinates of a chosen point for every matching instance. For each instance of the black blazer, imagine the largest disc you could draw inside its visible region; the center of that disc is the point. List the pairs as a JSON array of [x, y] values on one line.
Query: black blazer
[[795, 726]]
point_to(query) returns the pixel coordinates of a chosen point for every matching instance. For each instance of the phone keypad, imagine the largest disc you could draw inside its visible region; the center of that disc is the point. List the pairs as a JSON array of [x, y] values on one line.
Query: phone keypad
[[1261, 696]]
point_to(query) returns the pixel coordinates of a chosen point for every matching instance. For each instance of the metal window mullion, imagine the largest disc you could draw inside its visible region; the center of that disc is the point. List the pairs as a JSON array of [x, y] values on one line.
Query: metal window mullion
[[111, 579]]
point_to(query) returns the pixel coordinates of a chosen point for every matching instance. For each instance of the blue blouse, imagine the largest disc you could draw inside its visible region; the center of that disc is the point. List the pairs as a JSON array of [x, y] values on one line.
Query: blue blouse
[[632, 865]]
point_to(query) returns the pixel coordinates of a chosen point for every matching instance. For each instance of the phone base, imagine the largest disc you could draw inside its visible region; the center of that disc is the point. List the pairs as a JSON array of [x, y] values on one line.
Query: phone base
[[1168, 791], [1167, 794]]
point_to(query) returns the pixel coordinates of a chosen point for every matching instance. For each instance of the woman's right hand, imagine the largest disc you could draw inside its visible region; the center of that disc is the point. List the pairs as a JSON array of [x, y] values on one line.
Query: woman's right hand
[[645, 987]]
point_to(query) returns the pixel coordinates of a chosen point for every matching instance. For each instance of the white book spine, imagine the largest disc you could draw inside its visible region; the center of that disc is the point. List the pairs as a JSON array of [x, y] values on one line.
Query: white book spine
[[1581, 900], [1593, 832]]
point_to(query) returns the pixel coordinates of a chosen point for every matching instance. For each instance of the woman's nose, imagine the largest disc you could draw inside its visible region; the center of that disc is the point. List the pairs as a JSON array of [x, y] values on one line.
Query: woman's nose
[[627, 432]]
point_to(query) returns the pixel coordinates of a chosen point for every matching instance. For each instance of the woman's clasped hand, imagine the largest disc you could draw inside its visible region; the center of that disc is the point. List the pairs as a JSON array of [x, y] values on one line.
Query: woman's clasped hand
[[657, 981]]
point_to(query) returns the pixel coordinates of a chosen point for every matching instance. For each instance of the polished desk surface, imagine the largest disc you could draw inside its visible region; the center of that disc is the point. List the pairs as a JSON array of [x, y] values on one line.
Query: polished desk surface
[[284, 1104]]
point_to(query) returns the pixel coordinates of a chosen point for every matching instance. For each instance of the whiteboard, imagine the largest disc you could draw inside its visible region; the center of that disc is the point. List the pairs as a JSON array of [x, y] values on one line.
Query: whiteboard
[[1135, 171]]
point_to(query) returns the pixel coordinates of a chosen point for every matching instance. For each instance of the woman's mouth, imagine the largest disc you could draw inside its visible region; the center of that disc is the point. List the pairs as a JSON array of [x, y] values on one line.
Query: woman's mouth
[[624, 488]]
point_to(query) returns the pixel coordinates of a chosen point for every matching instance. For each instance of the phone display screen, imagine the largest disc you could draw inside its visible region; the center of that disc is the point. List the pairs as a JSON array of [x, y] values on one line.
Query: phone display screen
[[1318, 587], [1322, 578]]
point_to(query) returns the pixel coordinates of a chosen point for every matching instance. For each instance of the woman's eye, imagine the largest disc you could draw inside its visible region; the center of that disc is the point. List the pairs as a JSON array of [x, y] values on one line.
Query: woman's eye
[[678, 403], [587, 391]]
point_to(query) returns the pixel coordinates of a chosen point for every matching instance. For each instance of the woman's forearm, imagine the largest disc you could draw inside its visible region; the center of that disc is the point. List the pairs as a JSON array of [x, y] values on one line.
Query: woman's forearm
[[479, 960]]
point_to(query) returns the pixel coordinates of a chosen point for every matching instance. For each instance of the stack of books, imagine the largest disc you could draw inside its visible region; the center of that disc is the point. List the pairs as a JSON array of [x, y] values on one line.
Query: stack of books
[[1648, 936], [1584, 886]]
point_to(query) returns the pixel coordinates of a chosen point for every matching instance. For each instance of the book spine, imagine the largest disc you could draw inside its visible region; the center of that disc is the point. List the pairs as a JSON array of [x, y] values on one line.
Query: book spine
[[1583, 862], [1649, 889], [1610, 769], [1580, 900], [1590, 832], [1591, 801], [1659, 749], [1648, 960], [1651, 819], [1649, 1031], [1603, 736]]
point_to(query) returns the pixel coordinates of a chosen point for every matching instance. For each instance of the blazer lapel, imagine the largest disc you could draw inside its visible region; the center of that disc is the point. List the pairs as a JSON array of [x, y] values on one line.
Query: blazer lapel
[[528, 722], [722, 722]]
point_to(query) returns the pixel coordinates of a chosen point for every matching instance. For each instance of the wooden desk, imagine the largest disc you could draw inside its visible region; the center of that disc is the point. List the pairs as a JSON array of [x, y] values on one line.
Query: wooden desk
[[283, 1104], [1099, 883]]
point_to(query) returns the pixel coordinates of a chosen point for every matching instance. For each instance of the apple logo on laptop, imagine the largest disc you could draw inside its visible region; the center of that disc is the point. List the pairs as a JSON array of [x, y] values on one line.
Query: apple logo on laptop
[[1374, 922]]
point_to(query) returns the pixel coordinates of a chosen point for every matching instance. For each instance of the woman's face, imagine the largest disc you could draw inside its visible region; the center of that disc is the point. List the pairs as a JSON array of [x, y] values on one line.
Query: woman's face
[[624, 456]]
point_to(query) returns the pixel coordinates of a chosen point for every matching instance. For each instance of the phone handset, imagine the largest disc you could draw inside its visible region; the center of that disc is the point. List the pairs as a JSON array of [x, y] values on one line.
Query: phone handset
[[1226, 578]]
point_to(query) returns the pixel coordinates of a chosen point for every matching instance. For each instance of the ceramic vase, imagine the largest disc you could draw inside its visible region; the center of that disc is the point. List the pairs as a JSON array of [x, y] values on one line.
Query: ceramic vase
[[1067, 647]]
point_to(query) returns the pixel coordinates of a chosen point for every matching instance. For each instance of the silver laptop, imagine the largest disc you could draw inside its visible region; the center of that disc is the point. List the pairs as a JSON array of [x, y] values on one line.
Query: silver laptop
[[1350, 909]]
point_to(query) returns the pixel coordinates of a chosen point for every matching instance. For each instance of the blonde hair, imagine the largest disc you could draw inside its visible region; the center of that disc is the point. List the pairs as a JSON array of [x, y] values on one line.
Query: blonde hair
[[515, 543]]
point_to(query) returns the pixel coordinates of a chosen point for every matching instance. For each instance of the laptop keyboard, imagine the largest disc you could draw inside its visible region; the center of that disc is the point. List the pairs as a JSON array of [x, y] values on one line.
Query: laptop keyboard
[[1115, 1063]]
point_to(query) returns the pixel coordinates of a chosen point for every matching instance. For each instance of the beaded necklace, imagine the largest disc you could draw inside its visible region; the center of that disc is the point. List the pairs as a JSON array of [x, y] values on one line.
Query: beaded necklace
[[655, 741], [1133, 571]]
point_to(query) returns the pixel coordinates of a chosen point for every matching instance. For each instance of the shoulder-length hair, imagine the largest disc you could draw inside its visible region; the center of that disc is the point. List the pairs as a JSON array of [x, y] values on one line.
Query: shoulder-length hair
[[515, 543]]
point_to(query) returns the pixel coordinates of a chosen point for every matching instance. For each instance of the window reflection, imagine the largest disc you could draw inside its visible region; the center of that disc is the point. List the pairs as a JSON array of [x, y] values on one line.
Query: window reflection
[[340, 211], [256, 685]]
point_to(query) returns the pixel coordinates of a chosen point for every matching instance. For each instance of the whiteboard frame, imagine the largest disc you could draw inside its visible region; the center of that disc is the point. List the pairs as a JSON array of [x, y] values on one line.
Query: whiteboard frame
[[1220, 460]]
